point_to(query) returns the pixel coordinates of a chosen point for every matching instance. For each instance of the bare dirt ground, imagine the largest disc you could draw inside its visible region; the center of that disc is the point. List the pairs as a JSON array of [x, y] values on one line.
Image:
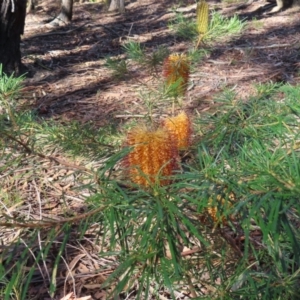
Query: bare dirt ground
[[69, 81]]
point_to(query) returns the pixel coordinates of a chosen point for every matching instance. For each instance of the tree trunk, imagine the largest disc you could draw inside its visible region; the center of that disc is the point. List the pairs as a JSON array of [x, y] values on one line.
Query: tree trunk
[[66, 13], [30, 6], [117, 5], [12, 22]]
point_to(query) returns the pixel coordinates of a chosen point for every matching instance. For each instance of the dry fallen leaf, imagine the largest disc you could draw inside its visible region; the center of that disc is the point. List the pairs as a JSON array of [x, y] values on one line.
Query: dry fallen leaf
[[71, 296]]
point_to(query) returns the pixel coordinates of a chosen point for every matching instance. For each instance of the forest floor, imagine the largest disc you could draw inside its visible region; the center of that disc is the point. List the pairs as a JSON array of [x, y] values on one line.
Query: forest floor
[[70, 81]]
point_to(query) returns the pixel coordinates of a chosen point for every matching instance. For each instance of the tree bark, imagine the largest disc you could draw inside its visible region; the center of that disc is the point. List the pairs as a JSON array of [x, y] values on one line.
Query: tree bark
[[117, 5], [12, 22], [65, 15], [30, 6], [66, 10]]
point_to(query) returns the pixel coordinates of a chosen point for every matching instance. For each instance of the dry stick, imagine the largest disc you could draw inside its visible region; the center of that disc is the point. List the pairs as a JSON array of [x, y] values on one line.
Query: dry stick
[[38, 63], [61, 32], [190, 252], [51, 158], [71, 30], [139, 116], [266, 47], [49, 223], [66, 279], [109, 29], [253, 47], [161, 297], [191, 286], [38, 196]]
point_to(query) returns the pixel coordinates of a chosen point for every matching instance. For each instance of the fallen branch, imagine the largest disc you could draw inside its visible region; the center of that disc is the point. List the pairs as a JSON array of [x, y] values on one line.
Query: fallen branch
[[266, 47], [48, 223], [60, 32]]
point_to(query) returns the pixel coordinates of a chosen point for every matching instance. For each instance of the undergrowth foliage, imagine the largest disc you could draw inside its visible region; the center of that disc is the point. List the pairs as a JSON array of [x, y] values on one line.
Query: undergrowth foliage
[[219, 27], [248, 156], [222, 224]]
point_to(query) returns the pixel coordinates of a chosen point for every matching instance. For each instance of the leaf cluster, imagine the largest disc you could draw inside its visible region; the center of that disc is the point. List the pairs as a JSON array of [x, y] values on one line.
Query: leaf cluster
[[219, 28]]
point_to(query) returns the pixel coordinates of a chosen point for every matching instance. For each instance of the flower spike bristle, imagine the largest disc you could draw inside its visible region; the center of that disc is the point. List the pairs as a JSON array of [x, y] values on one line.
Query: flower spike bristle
[[176, 68], [153, 157], [181, 128]]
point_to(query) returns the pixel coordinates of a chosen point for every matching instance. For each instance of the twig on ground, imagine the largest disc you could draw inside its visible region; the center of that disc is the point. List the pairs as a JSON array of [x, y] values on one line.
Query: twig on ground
[[51, 158], [39, 234], [161, 297], [265, 47], [48, 223], [60, 32]]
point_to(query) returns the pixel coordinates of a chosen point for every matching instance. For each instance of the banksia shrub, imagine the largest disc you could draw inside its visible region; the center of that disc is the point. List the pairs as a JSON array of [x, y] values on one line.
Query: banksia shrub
[[153, 157], [181, 129], [176, 69], [202, 12]]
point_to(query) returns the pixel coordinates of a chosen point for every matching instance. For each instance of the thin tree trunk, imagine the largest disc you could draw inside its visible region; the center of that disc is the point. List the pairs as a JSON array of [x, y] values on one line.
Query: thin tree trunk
[[117, 5], [65, 15], [12, 22], [30, 6], [66, 10]]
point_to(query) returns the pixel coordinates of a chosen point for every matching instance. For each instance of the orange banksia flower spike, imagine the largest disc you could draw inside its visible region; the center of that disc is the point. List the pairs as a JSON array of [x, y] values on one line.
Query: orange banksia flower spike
[[153, 157], [226, 204], [181, 129], [176, 68]]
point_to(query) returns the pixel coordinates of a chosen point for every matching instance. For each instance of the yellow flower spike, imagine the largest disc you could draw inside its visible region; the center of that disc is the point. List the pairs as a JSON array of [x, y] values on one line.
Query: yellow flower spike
[[176, 68], [213, 210], [202, 13], [154, 156], [181, 128]]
